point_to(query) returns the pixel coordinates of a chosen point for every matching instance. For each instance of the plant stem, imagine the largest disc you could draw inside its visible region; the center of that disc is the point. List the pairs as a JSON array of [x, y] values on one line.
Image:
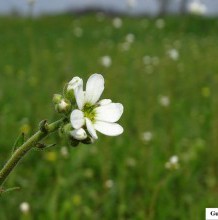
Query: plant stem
[[24, 148]]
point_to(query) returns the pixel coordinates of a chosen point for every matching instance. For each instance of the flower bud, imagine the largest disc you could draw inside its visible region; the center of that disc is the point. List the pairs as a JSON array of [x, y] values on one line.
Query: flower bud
[[75, 83], [79, 134], [63, 106], [57, 98]]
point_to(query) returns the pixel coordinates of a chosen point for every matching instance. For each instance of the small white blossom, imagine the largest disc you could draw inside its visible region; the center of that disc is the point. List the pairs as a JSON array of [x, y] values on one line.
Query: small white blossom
[[172, 163], [64, 151], [78, 32], [164, 101], [117, 22], [106, 61], [160, 23], [146, 60], [79, 134], [109, 184], [24, 207], [130, 38], [173, 54], [197, 8], [131, 162], [92, 115], [147, 136]]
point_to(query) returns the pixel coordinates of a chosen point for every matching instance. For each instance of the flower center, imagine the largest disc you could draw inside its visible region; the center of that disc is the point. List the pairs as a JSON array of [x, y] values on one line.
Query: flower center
[[89, 111]]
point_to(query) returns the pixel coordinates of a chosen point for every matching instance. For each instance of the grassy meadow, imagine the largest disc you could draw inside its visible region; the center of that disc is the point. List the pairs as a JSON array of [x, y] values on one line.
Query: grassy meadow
[[164, 72]]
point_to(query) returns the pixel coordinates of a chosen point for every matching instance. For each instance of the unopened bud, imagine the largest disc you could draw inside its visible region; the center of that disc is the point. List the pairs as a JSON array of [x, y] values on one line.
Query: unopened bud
[[63, 106], [57, 98], [75, 83], [79, 134]]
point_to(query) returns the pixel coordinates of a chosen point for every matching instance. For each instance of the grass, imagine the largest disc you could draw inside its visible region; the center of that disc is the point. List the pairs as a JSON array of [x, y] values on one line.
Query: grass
[[123, 177]]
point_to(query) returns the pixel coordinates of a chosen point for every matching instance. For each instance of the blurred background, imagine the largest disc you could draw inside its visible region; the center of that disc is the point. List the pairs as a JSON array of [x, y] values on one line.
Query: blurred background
[[159, 59]]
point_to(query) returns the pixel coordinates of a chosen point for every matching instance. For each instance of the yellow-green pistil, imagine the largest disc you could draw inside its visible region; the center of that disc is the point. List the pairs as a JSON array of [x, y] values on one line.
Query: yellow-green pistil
[[89, 111]]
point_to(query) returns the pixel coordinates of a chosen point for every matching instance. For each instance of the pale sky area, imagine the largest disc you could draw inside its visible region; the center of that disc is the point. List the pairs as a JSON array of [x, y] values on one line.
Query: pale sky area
[[141, 6]]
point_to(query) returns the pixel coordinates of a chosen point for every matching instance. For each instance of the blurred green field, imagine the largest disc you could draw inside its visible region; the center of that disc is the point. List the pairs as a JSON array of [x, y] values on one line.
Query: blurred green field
[[123, 177]]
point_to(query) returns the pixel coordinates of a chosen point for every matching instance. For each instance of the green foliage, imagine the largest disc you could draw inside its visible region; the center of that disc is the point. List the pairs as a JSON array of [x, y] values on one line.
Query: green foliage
[[123, 177]]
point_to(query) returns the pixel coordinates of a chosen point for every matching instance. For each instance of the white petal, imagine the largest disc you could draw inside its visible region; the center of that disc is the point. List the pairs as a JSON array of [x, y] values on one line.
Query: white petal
[[91, 128], [94, 88], [77, 119], [79, 134], [75, 83], [104, 102], [107, 128], [109, 113], [80, 97]]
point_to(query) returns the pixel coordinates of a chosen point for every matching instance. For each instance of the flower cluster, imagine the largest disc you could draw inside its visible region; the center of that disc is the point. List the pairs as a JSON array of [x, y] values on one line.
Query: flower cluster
[[85, 113]]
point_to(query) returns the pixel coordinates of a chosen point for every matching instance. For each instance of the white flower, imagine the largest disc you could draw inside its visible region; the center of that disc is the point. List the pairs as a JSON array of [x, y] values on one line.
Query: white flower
[[117, 22], [109, 184], [160, 23], [79, 134], [147, 136], [78, 32], [106, 61], [24, 207], [130, 38], [173, 163], [164, 101], [173, 54], [197, 8], [94, 115], [64, 151]]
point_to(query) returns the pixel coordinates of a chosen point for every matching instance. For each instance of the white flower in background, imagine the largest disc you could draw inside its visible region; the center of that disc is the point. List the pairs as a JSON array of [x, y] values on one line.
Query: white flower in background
[[160, 23], [106, 61], [146, 60], [78, 32], [93, 115], [131, 162], [109, 184], [172, 163], [196, 7], [147, 136], [64, 152], [164, 101], [130, 38], [117, 22], [173, 54], [24, 207]]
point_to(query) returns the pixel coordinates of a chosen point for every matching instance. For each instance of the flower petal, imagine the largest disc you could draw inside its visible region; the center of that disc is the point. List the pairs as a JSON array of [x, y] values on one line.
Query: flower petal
[[80, 97], [109, 113], [107, 128], [77, 119], [94, 88], [91, 129], [104, 102]]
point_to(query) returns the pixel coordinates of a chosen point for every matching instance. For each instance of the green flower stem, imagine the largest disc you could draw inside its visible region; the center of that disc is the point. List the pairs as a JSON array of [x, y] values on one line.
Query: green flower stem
[[24, 148]]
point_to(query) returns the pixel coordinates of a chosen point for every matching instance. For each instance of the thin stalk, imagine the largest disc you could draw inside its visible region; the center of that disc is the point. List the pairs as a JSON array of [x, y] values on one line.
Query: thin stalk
[[24, 148]]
